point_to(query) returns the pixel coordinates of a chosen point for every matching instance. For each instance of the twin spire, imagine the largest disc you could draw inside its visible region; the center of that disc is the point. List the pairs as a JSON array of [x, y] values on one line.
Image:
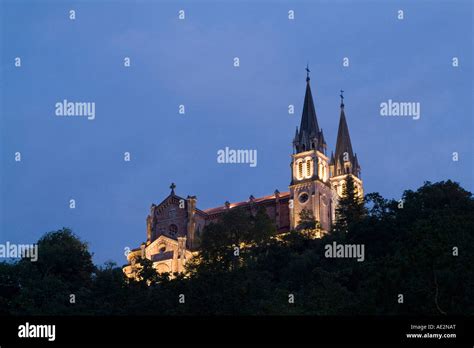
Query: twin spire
[[344, 151], [310, 136]]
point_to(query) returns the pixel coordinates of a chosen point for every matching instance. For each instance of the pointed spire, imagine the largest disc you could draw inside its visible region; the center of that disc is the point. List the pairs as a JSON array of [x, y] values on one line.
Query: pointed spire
[[343, 143], [356, 165], [322, 141], [308, 136], [296, 135], [344, 151], [309, 122]]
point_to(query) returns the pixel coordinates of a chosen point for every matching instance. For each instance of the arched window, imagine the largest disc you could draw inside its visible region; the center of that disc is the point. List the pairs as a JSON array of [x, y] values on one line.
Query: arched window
[[300, 170], [308, 167], [173, 230]]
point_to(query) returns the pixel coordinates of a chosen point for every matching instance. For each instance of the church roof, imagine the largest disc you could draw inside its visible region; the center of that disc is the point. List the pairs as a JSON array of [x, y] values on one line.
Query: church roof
[[260, 200], [174, 198], [171, 198]]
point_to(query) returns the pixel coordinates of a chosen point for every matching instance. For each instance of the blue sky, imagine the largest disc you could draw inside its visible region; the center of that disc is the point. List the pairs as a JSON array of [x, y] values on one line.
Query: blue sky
[[190, 62]]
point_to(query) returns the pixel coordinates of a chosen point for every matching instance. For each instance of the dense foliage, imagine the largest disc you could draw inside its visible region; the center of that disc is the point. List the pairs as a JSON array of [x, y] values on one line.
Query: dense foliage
[[421, 248]]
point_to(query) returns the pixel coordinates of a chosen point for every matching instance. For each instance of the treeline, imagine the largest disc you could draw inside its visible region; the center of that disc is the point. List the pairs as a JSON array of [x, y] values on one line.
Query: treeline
[[420, 248]]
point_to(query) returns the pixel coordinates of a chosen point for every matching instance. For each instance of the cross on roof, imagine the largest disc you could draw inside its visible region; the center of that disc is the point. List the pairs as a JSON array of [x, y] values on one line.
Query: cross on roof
[[172, 187]]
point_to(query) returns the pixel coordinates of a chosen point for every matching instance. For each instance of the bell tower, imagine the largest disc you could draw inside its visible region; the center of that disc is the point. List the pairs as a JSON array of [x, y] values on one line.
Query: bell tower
[[309, 187], [344, 162]]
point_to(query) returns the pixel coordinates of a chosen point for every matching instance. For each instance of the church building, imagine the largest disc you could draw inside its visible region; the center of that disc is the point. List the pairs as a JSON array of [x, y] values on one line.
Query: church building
[[174, 226]]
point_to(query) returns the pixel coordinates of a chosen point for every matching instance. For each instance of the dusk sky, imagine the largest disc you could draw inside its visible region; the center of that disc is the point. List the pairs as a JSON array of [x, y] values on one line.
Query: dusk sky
[[191, 62]]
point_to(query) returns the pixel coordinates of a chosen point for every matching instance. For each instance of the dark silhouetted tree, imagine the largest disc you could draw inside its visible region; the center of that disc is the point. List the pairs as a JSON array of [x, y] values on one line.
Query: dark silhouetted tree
[[350, 208]]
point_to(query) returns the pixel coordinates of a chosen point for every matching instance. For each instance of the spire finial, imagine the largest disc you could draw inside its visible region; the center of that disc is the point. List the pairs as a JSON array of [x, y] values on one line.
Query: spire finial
[[342, 98], [172, 187], [307, 72]]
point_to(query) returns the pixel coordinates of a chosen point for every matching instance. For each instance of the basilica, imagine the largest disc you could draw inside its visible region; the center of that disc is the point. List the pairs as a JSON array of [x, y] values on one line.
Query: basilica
[[173, 227]]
